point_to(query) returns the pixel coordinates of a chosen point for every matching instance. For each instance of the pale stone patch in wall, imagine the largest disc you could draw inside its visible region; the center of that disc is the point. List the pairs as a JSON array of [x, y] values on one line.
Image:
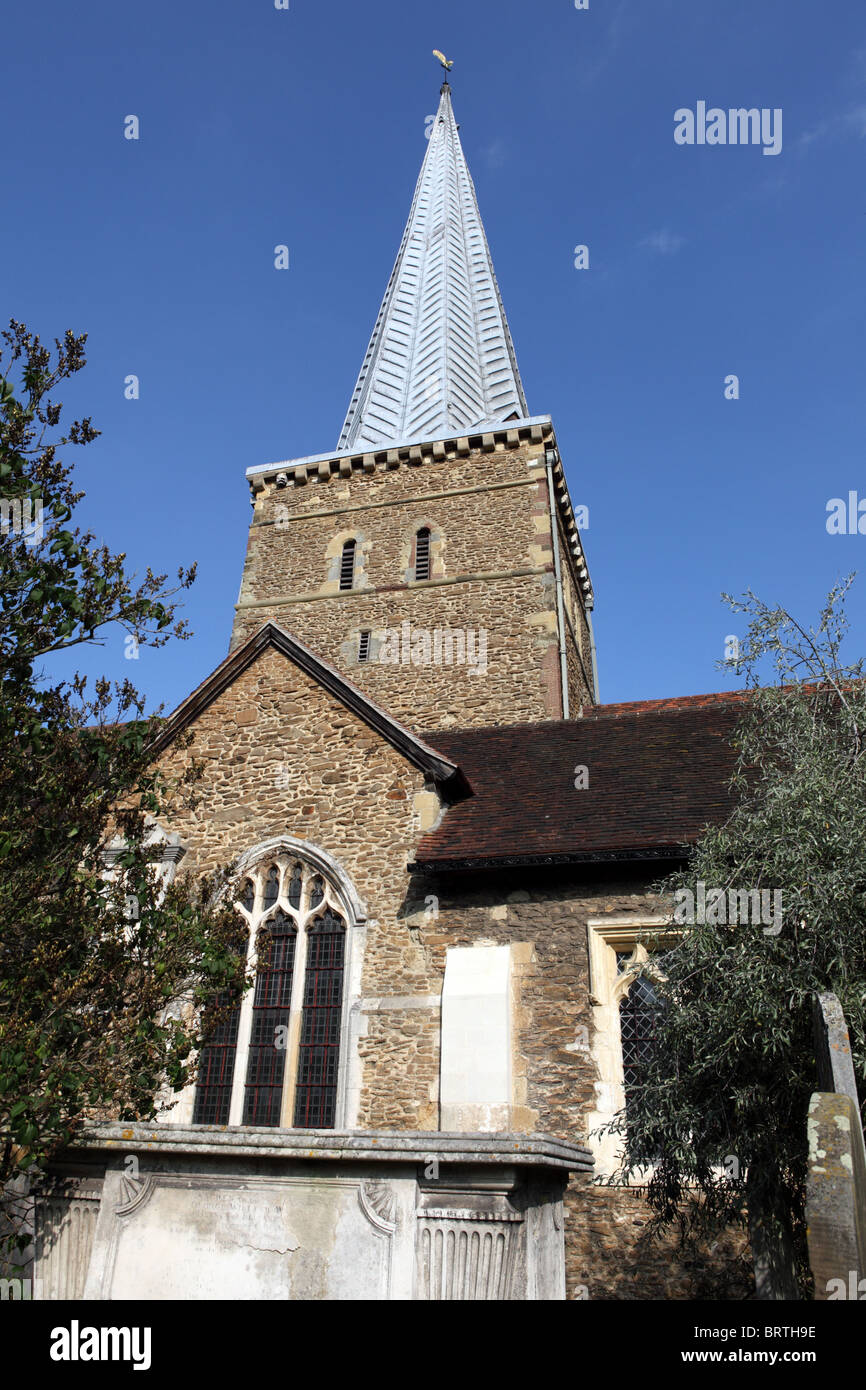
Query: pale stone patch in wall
[[476, 1086], [429, 810]]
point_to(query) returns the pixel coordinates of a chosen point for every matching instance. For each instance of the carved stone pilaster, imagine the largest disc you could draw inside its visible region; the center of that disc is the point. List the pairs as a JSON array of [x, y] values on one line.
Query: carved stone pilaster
[[468, 1245], [65, 1219]]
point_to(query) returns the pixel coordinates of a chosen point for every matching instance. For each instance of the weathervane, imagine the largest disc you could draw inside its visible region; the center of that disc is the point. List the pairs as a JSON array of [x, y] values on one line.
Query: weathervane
[[447, 63]]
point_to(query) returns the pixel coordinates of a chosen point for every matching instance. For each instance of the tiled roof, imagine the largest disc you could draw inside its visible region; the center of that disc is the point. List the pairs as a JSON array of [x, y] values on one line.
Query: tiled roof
[[658, 772]]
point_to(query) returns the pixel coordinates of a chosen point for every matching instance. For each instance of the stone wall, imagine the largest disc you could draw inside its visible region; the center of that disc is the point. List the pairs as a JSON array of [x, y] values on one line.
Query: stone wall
[[492, 571], [607, 1251], [283, 757]]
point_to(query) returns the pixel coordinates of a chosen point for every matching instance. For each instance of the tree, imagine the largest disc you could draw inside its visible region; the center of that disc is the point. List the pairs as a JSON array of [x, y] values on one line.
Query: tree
[[722, 1114], [103, 973]]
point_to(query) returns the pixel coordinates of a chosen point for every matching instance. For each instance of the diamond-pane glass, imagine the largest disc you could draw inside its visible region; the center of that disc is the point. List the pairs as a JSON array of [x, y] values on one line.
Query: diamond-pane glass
[[638, 1011]]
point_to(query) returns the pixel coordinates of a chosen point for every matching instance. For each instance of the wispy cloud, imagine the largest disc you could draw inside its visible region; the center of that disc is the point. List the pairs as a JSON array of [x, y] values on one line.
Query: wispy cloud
[[607, 45], [664, 243], [838, 127], [495, 154]]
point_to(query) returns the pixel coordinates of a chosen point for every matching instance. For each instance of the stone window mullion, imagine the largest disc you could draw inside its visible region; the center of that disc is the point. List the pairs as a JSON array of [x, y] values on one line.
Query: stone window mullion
[[295, 1018], [245, 1024]]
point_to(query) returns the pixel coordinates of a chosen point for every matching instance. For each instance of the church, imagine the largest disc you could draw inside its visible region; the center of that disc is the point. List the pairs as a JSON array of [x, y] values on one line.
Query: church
[[445, 852]]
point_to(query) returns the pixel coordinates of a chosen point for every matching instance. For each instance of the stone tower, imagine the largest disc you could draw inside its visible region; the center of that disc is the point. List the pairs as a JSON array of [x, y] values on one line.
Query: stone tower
[[434, 557]]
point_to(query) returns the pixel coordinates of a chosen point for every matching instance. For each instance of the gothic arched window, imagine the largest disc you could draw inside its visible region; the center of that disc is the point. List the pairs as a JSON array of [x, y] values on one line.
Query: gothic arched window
[[422, 553], [276, 1055], [347, 565], [639, 1008]]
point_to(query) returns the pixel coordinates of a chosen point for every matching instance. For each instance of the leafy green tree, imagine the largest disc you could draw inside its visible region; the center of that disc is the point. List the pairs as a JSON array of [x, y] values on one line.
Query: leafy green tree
[[103, 972], [721, 1114]]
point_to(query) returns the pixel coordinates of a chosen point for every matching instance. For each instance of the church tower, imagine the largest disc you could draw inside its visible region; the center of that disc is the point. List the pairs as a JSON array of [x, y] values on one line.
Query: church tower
[[434, 556]]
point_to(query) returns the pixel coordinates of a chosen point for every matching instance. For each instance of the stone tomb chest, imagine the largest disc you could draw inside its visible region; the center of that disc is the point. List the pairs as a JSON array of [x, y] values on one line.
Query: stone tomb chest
[[203, 1212]]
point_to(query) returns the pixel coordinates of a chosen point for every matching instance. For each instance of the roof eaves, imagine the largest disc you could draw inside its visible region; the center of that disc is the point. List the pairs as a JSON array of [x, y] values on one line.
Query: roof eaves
[[647, 853]]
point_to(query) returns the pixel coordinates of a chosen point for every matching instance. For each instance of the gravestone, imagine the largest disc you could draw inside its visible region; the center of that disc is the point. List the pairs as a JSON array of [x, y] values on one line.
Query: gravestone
[[836, 1180]]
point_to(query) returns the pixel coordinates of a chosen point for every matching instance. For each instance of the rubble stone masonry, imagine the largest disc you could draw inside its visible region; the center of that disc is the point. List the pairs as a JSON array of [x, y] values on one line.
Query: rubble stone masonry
[[492, 571], [283, 756]]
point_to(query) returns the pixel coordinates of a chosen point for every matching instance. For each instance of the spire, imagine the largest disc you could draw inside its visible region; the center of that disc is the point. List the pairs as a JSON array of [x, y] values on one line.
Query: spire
[[441, 360]]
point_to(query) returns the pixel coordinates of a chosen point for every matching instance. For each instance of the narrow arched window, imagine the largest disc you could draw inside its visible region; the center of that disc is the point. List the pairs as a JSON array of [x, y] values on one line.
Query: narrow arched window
[[639, 1008], [347, 565], [276, 1054], [422, 553]]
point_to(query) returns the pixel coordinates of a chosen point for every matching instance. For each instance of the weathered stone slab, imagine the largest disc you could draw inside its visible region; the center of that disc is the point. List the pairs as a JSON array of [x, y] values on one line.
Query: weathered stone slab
[[833, 1048], [836, 1197]]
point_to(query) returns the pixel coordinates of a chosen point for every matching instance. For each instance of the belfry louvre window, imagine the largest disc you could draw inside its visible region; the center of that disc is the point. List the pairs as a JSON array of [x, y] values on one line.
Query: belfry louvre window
[[422, 553], [277, 1054], [347, 565], [364, 646]]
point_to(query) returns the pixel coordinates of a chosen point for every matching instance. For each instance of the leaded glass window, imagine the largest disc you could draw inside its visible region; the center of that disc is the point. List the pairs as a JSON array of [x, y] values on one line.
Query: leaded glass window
[[273, 997], [637, 1011], [216, 1067], [277, 1054], [319, 1060]]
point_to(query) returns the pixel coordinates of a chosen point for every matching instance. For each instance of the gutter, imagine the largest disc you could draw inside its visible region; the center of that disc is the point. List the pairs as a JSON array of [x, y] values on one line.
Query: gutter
[[593, 657]]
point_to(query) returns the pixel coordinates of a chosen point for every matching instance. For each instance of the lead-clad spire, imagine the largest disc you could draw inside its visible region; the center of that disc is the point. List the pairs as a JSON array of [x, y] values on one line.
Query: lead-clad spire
[[441, 359]]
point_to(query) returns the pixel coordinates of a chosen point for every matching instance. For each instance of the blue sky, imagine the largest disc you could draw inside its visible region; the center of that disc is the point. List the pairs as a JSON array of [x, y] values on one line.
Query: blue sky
[[306, 127]]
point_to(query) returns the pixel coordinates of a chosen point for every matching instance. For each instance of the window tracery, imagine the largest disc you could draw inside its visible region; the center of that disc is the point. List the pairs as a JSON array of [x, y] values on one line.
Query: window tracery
[[276, 1055]]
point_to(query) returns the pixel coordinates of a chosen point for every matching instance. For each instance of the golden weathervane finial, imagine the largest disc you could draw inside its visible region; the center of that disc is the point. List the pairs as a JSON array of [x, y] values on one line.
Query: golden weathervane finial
[[446, 62]]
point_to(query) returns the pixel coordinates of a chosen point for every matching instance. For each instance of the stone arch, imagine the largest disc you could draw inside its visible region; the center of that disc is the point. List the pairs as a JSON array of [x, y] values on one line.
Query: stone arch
[[437, 549], [318, 858], [334, 557]]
